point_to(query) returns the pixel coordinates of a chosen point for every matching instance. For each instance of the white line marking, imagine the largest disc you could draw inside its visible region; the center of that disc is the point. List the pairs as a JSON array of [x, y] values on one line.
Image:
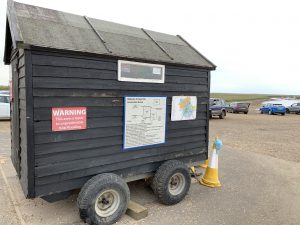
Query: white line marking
[[12, 197]]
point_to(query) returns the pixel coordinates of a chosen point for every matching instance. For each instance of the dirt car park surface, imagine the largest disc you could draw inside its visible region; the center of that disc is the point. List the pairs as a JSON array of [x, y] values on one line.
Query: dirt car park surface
[[272, 135], [259, 171]]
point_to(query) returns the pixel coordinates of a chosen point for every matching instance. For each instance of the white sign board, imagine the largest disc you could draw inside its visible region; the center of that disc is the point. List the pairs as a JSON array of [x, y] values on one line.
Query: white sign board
[[184, 108], [144, 122], [140, 72]]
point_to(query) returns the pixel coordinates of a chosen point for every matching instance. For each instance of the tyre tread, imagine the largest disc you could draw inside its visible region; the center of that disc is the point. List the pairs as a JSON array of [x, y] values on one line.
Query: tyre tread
[[161, 178], [84, 197]]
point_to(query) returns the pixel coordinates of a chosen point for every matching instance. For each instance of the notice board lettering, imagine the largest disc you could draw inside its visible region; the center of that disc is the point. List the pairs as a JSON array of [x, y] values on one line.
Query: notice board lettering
[[145, 121], [69, 118]]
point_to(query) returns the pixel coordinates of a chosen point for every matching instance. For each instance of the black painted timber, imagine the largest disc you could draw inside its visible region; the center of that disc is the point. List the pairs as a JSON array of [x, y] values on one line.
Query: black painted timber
[[63, 161], [30, 124], [15, 120], [21, 135]]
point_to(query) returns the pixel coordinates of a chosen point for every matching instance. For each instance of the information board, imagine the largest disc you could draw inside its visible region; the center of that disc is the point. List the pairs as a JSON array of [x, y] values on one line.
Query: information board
[[69, 118], [144, 121], [184, 108]]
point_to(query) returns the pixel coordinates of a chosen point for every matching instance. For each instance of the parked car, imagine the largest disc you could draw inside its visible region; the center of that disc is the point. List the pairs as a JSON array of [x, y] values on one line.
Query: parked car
[[237, 107], [294, 108], [227, 107], [4, 107], [272, 109], [4, 92], [217, 107]]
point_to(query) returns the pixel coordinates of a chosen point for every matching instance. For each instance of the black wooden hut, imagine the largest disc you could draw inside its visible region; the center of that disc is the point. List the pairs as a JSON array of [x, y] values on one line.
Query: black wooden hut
[[61, 60]]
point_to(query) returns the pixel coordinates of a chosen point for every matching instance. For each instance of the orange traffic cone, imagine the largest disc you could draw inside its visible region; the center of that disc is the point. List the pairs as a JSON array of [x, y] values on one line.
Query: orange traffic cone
[[211, 177]]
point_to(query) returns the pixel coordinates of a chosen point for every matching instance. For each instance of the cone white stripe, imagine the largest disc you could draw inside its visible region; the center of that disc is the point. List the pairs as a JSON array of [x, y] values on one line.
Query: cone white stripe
[[213, 163]]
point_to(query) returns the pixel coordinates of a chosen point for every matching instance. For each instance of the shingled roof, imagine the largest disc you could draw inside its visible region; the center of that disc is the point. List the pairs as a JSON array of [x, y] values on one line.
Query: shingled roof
[[29, 25]]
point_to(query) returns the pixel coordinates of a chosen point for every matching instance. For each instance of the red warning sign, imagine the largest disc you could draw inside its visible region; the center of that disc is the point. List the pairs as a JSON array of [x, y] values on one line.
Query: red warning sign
[[69, 118]]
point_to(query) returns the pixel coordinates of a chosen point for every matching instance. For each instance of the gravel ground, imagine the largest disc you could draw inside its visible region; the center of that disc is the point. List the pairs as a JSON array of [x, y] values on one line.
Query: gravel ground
[[272, 135], [4, 138]]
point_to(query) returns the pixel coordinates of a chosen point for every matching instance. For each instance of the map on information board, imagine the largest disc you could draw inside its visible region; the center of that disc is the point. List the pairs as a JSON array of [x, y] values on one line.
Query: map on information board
[[144, 122], [184, 108]]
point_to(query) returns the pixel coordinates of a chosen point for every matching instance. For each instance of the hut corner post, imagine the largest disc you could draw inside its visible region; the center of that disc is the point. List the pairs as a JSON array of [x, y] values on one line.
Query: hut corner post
[[29, 125], [207, 111]]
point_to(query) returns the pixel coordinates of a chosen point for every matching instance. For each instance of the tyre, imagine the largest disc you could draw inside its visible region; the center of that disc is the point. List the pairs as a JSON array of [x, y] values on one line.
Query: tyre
[[171, 182], [222, 116], [245, 112], [261, 112], [210, 115], [103, 199], [283, 114], [288, 111]]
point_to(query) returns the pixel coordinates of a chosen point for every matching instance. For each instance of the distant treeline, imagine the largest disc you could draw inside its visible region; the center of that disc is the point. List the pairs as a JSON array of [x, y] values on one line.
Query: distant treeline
[[4, 87]]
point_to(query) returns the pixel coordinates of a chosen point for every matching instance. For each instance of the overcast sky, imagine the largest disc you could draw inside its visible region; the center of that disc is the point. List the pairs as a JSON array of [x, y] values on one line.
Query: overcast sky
[[255, 44]]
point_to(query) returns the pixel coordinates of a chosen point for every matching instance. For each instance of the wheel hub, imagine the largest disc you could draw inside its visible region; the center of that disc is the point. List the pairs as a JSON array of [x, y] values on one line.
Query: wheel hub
[[107, 203], [176, 184]]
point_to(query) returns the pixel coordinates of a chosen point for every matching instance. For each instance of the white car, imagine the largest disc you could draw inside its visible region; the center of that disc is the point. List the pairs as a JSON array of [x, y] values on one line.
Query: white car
[[4, 107]]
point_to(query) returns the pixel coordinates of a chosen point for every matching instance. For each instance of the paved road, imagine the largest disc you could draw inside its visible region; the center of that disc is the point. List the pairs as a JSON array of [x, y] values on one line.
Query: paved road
[[257, 189]]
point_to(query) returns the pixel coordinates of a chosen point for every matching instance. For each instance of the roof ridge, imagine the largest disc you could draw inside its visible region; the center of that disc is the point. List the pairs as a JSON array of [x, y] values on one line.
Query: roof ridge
[[11, 14], [160, 47], [97, 33]]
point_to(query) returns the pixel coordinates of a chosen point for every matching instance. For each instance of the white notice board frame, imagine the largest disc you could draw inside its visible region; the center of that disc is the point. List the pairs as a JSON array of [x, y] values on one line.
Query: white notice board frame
[[141, 80], [124, 123]]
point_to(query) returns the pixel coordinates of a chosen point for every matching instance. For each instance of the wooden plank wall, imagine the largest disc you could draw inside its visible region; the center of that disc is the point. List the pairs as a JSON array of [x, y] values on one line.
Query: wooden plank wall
[[65, 160], [14, 114], [18, 120]]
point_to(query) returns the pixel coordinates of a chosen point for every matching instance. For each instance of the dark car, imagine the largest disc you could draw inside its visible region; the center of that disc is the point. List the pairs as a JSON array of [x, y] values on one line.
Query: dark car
[[217, 107], [294, 108], [227, 107], [237, 107]]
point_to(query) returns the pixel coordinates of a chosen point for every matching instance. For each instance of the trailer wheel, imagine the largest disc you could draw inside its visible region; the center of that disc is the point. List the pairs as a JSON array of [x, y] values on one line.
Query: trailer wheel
[[171, 182], [103, 199]]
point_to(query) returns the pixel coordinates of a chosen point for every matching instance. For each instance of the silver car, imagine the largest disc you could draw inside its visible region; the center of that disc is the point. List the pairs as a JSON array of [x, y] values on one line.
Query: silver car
[[294, 108], [4, 107]]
